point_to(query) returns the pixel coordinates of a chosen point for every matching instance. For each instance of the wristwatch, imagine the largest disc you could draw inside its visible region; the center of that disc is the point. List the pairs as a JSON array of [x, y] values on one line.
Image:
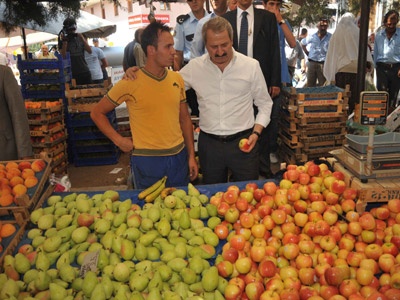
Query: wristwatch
[[282, 22]]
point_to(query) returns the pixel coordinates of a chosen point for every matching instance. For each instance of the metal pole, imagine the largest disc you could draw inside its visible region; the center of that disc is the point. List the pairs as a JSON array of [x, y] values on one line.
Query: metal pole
[[362, 46], [25, 46]]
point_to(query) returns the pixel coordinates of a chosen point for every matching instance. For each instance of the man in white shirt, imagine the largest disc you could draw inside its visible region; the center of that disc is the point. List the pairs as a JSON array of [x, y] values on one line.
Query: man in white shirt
[[3, 59], [227, 84]]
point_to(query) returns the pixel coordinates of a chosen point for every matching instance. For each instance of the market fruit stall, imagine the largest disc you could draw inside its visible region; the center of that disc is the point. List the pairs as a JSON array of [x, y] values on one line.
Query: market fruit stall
[[298, 238]]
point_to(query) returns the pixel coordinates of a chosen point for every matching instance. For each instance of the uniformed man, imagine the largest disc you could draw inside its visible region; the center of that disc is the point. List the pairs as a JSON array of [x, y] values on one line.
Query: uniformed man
[[184, 31]]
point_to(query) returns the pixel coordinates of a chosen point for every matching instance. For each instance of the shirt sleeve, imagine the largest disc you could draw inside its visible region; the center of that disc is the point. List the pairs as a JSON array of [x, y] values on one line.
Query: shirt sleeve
[[179, 38], [261, 97]]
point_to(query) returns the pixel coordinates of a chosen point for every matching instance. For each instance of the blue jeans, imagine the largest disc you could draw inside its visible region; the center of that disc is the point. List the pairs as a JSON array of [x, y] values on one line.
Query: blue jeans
[[146, 170]]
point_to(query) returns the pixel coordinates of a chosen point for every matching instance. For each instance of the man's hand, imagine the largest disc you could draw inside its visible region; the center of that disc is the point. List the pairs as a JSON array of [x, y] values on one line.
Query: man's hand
[[130, 73], [125, 144], [274, 91], [193, 169]]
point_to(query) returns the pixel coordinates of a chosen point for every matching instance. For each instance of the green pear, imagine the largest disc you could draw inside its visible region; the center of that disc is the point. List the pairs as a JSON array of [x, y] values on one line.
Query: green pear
[[222, 284], [140, 251], [121, 272], [52, 200], [170, 295], [145, 265], [188, 275], [164, 227], [80, 234], [119, 218], [210, 278], [64, 221], [81, 247], [125, 205], [108, 286], [35, 215], [34, 232], [49, 210], [181, 289], [114, 259], [138, 283], [89, 283], [181, 250], [52, 243], [121, 229], [177, 264], [42, 281], [102, 259], [175, 278], [184, 220], [196, 264], [102, 225], [21, 263], [167, 256], [82, 204], [154, 213], [180, 193], [127, 251], [212, 210], [105, 205], [146, 224], [107, 240], [42, 261], [156, 281], [98, 293], [194, 212], [116, 244], [148, 238], [69, 198], [192, 190], [113, 195], [153, 253], [29, 276], [132, 234], [53, 273], [3, 279], [60, 211], [50, 232], [45, 221], [165, 272], [57, 292], [203, 199], [76, 285], [65, 233], [67, 273], [194, 202], [10, 289], [204, 213], [211, 238]]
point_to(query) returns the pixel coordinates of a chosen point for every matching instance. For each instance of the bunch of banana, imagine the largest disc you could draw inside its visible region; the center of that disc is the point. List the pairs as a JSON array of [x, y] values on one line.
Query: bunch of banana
[[152, 192], [167, 191]]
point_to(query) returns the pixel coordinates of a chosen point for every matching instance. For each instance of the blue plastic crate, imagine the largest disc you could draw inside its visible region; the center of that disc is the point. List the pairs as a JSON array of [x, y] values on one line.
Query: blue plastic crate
[[83, 119], [106, 159], [32, 64], [42, 94], [45, 78]]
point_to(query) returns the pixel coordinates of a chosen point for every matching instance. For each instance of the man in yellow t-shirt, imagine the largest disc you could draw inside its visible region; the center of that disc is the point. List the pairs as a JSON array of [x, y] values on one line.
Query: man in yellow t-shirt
[[159, 118]]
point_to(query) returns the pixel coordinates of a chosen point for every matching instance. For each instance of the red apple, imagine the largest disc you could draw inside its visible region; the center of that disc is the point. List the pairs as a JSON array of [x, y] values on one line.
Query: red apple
[[394, 205], [244, 144], [258, 194], [270, 188], [313, 170], [230, 255], [338, 186], [267, 268], [335, 275]]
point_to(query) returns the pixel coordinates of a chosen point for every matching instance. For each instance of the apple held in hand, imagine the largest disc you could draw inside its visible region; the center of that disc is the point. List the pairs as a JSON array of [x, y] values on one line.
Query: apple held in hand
[[244, 145]]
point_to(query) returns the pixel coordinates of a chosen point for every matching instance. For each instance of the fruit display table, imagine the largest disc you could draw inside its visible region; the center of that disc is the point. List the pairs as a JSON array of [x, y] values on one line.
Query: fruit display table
[[297, 238]]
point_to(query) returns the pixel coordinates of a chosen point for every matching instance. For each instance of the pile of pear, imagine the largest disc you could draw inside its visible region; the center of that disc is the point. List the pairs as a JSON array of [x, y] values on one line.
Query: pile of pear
[[161, 250]]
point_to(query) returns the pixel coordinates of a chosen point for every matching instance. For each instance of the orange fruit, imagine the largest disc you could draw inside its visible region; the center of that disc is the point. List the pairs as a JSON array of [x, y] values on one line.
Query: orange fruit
[[30, 181], [4, 181], [13, 172], [16, 180], [19, 190], [11, 164], [6, 199], [27, 172], [2, 166], [7, 230], [24, 165]]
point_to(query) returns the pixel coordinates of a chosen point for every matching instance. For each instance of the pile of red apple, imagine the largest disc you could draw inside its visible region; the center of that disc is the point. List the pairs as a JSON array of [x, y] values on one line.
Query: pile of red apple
[[304, 239]]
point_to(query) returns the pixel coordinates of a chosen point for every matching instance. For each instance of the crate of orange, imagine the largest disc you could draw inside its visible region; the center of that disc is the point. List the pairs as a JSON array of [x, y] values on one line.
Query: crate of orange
[[22, 182], [12, 230]]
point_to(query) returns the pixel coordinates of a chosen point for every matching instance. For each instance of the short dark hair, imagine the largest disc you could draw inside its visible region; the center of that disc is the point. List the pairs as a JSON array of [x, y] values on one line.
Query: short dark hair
[[151, 33], [388, 14], [303, 31], [266, 1], [69, 22]]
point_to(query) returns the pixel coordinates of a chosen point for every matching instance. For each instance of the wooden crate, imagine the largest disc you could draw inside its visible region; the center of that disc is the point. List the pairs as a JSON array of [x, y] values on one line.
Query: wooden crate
[[19, 217]]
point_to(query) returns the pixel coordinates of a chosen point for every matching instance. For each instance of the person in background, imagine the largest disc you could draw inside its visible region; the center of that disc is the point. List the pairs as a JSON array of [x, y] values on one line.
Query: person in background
[[197, 49], [303, 34], [285, 37], [184, 32], [318, 43], [232, 4], [15, 139], [95, 60], [103, 66], [45, 54], [228, 85], [160, 123], [292, 56], [138, 52], [341, 61], [387, 57], [263, 45], [74, 43]]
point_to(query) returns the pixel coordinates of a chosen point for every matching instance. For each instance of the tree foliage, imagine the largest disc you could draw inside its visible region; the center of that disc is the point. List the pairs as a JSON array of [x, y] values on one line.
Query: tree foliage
[[310, 12], [38, 12]]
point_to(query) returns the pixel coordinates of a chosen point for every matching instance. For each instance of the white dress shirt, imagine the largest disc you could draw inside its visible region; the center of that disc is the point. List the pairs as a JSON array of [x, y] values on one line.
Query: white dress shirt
[[226, 98], [250, 20]]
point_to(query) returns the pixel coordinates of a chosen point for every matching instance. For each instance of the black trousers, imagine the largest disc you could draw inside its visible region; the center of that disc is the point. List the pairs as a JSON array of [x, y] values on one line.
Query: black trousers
[[387, 80], [217, 158]]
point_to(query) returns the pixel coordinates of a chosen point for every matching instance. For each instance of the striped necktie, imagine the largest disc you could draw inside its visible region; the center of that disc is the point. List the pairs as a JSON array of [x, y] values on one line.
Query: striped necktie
[[244, 29]]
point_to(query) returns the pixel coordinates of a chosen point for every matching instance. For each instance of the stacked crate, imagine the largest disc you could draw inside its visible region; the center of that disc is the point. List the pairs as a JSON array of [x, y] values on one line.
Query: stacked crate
[[312, 123], [87, 145], [43, 88]]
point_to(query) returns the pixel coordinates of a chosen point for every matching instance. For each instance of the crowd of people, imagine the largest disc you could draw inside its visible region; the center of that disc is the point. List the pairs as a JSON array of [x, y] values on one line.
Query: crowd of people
[[229, 68]]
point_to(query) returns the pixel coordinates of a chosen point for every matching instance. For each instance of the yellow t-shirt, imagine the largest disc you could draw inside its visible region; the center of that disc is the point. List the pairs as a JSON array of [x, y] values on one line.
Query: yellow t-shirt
[[153, 105]]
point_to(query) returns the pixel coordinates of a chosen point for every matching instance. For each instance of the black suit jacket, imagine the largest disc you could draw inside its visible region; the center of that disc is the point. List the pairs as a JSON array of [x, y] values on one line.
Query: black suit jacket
[[265, 43]]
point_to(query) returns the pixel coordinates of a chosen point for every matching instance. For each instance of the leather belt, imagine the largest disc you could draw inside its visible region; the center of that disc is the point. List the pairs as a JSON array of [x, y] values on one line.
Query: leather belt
[[318, 62], [228, 138], [388, 66]]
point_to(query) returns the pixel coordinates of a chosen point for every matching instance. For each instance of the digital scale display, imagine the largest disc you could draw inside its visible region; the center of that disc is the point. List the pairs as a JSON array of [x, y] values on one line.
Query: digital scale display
[[374, 108]]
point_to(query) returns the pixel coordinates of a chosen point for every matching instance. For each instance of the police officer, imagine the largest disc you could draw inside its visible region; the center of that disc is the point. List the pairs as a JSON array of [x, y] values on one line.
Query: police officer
[[184, 31]]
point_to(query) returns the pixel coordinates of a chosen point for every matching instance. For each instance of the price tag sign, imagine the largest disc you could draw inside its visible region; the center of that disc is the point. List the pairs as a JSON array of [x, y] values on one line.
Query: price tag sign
[[89, 263], [374, 108]]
